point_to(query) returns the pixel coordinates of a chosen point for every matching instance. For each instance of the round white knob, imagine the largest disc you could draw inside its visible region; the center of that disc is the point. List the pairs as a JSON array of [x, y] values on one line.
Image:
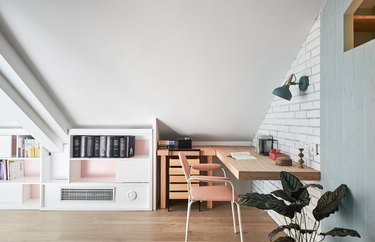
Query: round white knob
[[132, 195]]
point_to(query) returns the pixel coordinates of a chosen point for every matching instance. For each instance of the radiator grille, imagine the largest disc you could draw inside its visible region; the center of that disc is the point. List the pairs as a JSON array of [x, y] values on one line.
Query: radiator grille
[[84, 194]]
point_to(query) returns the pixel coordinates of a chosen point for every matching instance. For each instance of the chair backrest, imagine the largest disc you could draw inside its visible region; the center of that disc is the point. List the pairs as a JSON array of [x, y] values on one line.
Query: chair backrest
[[185, 164]]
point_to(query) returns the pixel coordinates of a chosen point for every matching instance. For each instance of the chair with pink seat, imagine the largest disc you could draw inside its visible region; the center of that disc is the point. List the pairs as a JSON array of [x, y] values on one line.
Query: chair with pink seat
[[223, 192]]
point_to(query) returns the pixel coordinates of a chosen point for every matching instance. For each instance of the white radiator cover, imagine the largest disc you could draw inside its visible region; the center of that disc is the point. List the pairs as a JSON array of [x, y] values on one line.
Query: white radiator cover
[[87, 194]]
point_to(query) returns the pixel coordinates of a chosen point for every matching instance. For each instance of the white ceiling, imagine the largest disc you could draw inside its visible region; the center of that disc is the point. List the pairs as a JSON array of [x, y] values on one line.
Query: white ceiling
[[205, 68]]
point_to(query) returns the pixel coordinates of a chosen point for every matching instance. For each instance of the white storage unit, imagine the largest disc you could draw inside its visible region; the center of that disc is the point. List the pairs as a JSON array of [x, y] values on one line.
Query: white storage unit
[[20, 188], [103, 183]]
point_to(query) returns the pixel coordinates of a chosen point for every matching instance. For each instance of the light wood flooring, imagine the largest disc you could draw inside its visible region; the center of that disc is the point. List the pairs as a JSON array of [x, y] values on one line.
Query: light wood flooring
[[161, 225]]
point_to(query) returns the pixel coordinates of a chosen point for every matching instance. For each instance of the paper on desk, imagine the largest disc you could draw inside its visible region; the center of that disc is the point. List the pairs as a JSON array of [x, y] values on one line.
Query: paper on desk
[[241, 156]]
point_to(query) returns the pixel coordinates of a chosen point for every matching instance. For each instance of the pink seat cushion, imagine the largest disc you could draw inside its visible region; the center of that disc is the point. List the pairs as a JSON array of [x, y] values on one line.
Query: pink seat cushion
[[212, 193]]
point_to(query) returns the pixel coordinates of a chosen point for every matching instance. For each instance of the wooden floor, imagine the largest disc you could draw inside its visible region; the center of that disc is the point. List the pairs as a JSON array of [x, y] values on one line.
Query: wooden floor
[[161, 225]]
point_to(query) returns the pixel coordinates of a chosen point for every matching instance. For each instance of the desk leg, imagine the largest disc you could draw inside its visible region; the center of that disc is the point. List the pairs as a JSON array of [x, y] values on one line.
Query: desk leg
[[163, 181], [209, 203]]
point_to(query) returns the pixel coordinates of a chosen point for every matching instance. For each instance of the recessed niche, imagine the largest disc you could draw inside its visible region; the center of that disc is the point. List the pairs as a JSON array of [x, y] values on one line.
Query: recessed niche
[[359, 22]]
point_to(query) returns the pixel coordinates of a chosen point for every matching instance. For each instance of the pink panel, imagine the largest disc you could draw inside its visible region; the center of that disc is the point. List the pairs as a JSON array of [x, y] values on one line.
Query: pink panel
[[141, 146], [34, 191], [32, 168], [98, 168]]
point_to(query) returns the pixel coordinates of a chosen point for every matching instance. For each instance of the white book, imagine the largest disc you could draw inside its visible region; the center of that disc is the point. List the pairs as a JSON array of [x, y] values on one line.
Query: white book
[[16, 169], [241, 156]]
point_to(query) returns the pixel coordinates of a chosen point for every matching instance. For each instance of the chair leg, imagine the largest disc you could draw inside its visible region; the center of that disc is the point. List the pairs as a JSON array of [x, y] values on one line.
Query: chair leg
[[239, 221], [187, 219], [233, 217]]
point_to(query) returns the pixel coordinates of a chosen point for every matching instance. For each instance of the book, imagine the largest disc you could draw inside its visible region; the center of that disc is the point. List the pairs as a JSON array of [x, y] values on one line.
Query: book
[[90, 146], [16, 169], [130, 146], [241, 156], [76, 146], [102, 146], [6, 170], [1, 170], [122, 146], [108, 147], [116, 146], [96, 146], [83, 146], [21, 147]]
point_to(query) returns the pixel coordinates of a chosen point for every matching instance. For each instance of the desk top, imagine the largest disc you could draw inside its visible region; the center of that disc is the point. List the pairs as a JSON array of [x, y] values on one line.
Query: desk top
[[263, 168], [204, 150]]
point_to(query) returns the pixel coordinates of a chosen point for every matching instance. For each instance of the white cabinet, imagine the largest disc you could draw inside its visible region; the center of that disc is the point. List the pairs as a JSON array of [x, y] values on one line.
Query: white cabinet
[[96, 182], [59, 181]]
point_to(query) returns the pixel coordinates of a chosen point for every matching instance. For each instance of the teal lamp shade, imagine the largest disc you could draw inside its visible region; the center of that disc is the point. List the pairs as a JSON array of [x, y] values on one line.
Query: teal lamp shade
[[283, 92]]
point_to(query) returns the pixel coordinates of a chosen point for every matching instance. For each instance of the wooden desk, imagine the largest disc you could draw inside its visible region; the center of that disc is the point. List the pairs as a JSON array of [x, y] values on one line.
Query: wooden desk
[[207, 153], [263, 168]]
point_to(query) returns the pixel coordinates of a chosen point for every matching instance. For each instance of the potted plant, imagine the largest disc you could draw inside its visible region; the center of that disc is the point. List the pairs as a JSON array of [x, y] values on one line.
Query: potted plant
[[291, 202]]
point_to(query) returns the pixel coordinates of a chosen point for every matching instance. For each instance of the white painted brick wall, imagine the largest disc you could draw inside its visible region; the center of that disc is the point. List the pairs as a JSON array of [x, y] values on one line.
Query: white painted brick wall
[[296, 123]]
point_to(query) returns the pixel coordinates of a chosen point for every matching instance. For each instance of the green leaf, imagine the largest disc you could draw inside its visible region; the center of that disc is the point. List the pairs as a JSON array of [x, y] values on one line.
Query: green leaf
[[300, 193], [280, 207], [255, 200], [304, 231], [281, 194], [341, 232], [297, 206], [285, 239], [329, 202], [282, 228], [290, 183]]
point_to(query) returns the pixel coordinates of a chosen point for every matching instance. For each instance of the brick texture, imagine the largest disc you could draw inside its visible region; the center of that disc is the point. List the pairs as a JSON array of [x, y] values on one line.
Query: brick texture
[[296, 123]]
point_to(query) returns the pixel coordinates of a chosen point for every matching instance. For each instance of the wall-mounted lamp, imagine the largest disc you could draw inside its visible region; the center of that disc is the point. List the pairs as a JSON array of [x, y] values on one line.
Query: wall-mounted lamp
[[284, 92]]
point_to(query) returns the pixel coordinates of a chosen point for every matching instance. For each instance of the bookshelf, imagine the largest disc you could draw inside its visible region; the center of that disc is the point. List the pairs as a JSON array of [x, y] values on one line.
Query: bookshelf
[[62, 181], [20, 170], [102, 180]]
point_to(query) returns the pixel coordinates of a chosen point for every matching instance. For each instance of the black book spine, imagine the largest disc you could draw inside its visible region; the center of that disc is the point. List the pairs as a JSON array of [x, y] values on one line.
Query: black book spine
[[109, 145], [90, 146], [116, 146], [83, 146], [96, 146], [102, 146], [76, 146], [130, 146], [122, 146]]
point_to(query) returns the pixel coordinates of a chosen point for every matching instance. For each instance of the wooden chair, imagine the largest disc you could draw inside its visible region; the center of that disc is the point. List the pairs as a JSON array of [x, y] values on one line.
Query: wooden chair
[[224, 192]]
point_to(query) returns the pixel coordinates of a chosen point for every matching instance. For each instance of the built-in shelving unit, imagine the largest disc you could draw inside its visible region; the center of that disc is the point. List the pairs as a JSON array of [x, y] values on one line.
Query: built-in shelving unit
[[103, 183], [20, 173], [62, 181]]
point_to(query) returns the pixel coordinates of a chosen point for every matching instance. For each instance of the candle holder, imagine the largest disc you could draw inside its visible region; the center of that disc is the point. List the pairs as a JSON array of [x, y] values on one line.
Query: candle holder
[[301, 161]]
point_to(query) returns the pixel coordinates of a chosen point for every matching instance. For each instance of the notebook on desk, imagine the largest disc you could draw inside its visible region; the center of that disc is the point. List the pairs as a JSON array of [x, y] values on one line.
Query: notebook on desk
[[241, 156]]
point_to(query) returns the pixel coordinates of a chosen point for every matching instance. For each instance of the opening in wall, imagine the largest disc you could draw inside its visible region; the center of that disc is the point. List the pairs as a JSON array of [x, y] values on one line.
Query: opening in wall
[[359, 23]]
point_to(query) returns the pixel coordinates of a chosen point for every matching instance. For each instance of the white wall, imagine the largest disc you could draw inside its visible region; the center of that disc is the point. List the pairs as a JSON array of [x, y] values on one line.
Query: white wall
[[204, 68], [7, 122], [296, 123]]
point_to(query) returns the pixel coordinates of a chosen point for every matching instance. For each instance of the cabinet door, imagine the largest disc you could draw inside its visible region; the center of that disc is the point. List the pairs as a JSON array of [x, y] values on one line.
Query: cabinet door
[[133, 170]]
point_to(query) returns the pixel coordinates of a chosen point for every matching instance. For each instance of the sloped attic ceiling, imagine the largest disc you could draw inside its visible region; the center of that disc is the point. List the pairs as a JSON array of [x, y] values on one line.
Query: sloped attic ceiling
[[205, 68]]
